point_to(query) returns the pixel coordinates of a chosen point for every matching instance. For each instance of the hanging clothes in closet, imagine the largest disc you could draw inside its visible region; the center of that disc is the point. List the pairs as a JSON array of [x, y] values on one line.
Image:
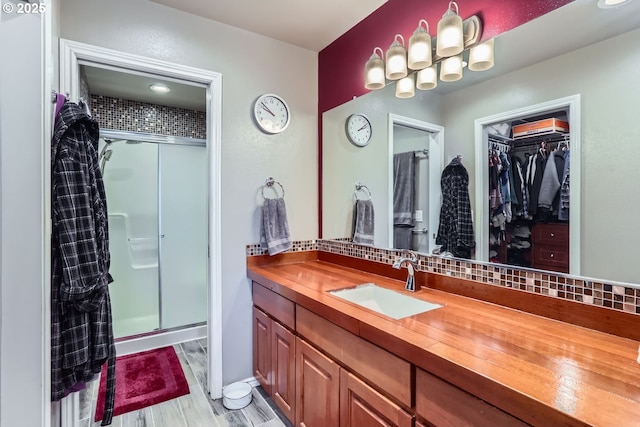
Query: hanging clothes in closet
[[455, 232], [81, 324]]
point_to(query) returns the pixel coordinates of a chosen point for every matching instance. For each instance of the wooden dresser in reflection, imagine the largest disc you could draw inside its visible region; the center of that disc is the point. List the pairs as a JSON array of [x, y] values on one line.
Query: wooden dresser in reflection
[[550, 243]]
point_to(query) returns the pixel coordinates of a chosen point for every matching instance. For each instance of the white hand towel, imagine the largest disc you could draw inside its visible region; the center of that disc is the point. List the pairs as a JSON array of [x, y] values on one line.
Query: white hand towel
[[275, 229]]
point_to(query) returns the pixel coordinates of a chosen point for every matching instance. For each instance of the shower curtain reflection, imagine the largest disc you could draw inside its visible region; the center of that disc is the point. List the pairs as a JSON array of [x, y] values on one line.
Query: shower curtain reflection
[[152, 196]]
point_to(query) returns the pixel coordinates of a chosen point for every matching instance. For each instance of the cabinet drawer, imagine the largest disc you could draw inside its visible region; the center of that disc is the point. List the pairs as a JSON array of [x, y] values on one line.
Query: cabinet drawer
[[275, 305], [360, 405], [551, 235], [386, 372], [550, 256], [443, 404]]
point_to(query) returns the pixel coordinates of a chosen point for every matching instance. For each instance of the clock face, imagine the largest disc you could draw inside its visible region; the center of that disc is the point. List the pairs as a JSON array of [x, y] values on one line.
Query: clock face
[[271, 113], [358, 129]]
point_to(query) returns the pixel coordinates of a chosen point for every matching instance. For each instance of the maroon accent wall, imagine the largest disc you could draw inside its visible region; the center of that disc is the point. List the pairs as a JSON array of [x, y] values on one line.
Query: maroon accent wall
[[341, 64]]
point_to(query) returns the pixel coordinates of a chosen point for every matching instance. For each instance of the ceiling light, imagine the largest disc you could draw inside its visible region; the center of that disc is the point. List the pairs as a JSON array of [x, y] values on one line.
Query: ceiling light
[[606, 4], [159, 88], [455, 42]]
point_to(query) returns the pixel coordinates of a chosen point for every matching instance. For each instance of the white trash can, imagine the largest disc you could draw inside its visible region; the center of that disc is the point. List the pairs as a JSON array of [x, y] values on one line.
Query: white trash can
[[236, 395]]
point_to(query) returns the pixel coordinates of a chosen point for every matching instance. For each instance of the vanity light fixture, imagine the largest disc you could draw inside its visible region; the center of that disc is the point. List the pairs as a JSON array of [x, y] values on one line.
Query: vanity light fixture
[[396, 59], [457, 44], [160, 88], [451, 69], [405, 87], [481, 56], [374, 71], [450, 35], [420, 55]]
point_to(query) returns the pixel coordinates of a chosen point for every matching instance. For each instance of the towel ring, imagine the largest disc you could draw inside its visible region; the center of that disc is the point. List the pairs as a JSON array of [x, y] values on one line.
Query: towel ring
[[363, 188], [269, 183]]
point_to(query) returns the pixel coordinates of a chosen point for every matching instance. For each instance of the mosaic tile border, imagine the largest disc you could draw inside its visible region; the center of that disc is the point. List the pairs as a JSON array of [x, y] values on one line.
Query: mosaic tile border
[[587, 291], [135, 116], [298, 246]]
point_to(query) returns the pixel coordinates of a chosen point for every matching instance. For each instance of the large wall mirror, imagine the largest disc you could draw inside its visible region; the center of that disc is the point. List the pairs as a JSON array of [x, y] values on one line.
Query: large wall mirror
[[577, 49]]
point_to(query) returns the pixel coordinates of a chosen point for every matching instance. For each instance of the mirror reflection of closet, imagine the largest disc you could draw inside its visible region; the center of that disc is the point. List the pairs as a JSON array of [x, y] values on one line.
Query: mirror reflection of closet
[[529, 177]]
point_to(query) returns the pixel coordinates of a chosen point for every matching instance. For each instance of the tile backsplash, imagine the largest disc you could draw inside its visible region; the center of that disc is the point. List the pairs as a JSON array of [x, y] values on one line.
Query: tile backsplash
[[588, 291], [135, 116]]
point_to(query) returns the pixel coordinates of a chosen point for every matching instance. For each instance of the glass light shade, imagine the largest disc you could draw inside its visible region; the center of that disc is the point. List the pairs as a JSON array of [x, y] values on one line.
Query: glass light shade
[[419, 55], [374, 72], [427, 78], [396, 60], [481, 56], [405, 87], [451, 69], [450, 39]]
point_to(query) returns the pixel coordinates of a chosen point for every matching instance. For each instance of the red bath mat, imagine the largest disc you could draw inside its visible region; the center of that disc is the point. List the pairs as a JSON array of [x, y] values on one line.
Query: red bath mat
[[143, 379]]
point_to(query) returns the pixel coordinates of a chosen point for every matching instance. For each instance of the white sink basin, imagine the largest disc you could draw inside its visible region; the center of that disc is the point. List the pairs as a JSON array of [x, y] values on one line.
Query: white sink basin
[[384, 301]]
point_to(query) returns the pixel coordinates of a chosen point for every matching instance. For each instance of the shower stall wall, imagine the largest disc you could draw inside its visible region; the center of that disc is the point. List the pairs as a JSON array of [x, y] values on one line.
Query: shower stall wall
[[156, 190]]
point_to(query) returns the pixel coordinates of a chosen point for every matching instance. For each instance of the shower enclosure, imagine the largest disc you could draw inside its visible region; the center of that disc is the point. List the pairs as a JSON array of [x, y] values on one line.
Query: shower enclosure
[[156, 189]]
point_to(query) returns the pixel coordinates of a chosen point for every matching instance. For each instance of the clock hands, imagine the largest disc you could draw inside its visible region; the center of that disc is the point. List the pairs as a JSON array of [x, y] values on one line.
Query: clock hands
[[265, 108], [364, 126]]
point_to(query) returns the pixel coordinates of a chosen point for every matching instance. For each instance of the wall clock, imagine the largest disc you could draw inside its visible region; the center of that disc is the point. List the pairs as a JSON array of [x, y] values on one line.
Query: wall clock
[[358, 128], [271, 113]]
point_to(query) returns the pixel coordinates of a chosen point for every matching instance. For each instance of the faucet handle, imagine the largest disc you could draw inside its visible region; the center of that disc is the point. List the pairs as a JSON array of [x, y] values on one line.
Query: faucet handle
[[406, 253]]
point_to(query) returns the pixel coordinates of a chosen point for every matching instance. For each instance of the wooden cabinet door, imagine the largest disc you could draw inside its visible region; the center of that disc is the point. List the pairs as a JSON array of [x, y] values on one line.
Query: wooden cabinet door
[[262, 349], [317, 388], [283, 369], [360, 405]]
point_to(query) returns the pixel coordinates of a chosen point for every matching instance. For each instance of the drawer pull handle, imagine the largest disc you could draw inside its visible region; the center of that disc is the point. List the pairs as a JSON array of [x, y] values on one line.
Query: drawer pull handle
[[552, 235], [551, 255]]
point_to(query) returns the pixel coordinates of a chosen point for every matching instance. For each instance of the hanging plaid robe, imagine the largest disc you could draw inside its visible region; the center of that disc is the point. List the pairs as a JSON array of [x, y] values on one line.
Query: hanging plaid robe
[[81, 325]]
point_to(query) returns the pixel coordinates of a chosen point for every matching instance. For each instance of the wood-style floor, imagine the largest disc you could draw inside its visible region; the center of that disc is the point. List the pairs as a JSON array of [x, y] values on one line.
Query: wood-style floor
[[192, 410]]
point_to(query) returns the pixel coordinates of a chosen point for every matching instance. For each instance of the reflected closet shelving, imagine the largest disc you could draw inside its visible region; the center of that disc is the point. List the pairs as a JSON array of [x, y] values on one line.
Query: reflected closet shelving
[[528, 217]]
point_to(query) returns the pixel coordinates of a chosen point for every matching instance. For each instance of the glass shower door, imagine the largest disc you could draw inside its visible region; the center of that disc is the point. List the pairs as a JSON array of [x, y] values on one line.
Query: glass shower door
[[183, 234], [131, 184]]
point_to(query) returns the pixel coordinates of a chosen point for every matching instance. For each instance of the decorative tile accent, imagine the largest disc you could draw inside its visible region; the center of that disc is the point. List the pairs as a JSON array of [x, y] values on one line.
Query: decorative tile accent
[[556, 285], [298, 246], [135, 116]]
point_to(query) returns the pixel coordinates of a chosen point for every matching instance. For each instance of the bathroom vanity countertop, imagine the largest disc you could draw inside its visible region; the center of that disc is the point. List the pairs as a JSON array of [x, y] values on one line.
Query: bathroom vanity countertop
[[543, 371]]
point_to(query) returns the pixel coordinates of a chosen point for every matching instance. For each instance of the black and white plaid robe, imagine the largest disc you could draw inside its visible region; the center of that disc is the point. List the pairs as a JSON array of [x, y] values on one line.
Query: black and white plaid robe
[[81, 325], [455, 232]]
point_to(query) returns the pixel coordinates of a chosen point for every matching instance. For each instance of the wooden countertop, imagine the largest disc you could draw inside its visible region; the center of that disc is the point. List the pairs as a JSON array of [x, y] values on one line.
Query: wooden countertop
[[543, 371]]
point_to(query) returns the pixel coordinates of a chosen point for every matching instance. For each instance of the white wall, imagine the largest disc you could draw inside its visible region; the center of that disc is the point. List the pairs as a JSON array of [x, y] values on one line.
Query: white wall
[[606, 75], [24, 269], [344, 164], [250, 65]]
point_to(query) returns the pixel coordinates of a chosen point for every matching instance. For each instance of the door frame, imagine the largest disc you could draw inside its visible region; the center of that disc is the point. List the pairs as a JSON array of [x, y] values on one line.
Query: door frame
[[436, 164], [572, 103], [72, 54]]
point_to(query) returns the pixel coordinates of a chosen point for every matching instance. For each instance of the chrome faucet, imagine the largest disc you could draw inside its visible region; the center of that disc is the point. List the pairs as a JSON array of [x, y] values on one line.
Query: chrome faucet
[[411, 260]]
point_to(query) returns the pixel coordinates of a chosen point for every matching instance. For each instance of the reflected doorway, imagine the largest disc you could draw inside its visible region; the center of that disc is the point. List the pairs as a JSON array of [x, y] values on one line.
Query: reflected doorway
[[415, 166]]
